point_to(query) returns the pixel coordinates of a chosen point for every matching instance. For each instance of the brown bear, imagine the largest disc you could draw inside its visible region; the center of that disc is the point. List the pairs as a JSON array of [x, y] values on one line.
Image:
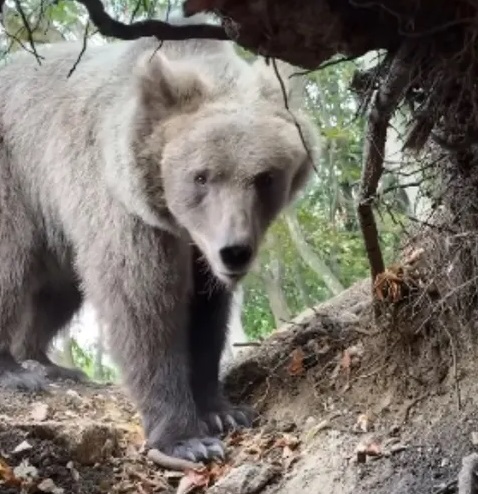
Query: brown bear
[[144, 183]]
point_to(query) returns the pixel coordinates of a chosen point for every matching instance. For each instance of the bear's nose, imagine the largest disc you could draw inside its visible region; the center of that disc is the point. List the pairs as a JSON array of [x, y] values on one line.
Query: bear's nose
[[236, 257]]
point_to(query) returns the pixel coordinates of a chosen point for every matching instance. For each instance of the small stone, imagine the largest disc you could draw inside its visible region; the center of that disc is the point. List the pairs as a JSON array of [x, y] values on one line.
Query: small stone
[[39, 412], [310, 422], [23, 446], [474, 438], [48, 485], [74, 397], [25, 471], [74, 472]]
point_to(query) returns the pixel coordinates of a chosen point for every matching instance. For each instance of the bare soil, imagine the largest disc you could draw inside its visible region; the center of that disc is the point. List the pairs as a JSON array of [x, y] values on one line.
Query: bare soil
[[338, 415]]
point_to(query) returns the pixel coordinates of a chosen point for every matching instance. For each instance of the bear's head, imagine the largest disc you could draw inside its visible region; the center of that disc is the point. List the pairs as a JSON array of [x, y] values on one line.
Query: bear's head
[[221, 167]]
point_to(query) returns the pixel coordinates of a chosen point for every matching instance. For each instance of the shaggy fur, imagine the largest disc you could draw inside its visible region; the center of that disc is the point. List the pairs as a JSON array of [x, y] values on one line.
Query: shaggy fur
[[145, 183]]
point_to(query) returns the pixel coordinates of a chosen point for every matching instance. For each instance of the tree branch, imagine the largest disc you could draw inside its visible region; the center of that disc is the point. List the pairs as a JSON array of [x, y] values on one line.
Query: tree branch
[[384, 104], [110, 27]]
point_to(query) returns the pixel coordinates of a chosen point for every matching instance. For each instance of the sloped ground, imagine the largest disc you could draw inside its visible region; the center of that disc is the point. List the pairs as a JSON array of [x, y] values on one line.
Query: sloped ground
[[335, 418]]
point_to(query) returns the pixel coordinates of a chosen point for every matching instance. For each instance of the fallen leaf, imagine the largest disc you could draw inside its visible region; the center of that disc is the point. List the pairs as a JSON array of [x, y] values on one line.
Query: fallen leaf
[[296, 364], [287, 440], [370, 447], [7, 475], [217, 471], [192, 480]]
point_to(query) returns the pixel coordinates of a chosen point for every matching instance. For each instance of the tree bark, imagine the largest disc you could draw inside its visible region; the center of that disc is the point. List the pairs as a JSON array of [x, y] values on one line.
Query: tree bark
[[277, 300], [310, 257]]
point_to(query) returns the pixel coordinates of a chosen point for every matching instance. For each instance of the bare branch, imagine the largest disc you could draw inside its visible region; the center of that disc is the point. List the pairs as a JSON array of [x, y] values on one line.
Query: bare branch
[[82, 51], [110, 27], [384, 104], [28, 28]]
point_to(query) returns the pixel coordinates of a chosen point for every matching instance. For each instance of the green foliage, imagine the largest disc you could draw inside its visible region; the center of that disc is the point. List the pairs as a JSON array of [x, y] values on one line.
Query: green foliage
[[84, 359], [327, 211]]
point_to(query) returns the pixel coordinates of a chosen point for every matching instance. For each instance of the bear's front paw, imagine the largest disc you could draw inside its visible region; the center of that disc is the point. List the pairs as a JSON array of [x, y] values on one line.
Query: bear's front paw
[[227, 417], [196, 449]]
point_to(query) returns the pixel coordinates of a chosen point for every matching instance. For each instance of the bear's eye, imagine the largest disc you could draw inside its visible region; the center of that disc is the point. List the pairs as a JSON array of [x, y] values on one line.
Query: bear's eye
[[200, 178], [264, 180]]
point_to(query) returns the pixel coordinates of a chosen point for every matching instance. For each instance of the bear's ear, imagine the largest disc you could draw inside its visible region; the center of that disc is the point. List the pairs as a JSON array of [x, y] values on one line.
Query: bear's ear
[[277, 77], [166, 85]]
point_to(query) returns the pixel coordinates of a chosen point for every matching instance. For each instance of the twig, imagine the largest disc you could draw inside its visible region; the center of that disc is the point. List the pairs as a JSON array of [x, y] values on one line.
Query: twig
[[107, 26], [325, 65], [411, 404], [383, 106], [287, 107], [172, 463], [28, 28], [82, 51]]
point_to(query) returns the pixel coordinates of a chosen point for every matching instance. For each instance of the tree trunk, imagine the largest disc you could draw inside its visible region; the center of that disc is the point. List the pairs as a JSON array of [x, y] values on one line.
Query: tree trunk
[[98, 371], [67, 349], [275, 294], [310, 257]]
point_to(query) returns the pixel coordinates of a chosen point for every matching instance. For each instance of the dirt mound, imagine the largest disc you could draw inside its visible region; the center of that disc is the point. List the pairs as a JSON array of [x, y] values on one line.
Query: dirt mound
[[336, 417]]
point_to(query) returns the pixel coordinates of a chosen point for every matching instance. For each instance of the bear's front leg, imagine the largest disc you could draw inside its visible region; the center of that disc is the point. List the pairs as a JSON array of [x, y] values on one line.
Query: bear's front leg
[[140, 282], [210, 308]]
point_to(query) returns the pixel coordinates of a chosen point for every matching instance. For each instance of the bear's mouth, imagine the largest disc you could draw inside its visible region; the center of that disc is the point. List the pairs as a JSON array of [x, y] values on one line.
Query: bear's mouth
[[231, 278]]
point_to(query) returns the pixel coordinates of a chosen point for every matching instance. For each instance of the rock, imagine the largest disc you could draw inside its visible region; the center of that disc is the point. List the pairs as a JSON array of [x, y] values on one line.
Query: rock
[[474, 438], [39, 412], [74, 397], [25, 471], [23, 446], [467, 474], [48, 485], [90, 442], [87, 441], [249, 478]]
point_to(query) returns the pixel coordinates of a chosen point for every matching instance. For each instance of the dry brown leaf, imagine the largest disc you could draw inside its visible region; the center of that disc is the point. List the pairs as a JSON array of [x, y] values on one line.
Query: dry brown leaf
[[193, 480], [296, 364], [7, 475], [370, 447], [287, 440], [236, 438], [217, 471], [373, 449]]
